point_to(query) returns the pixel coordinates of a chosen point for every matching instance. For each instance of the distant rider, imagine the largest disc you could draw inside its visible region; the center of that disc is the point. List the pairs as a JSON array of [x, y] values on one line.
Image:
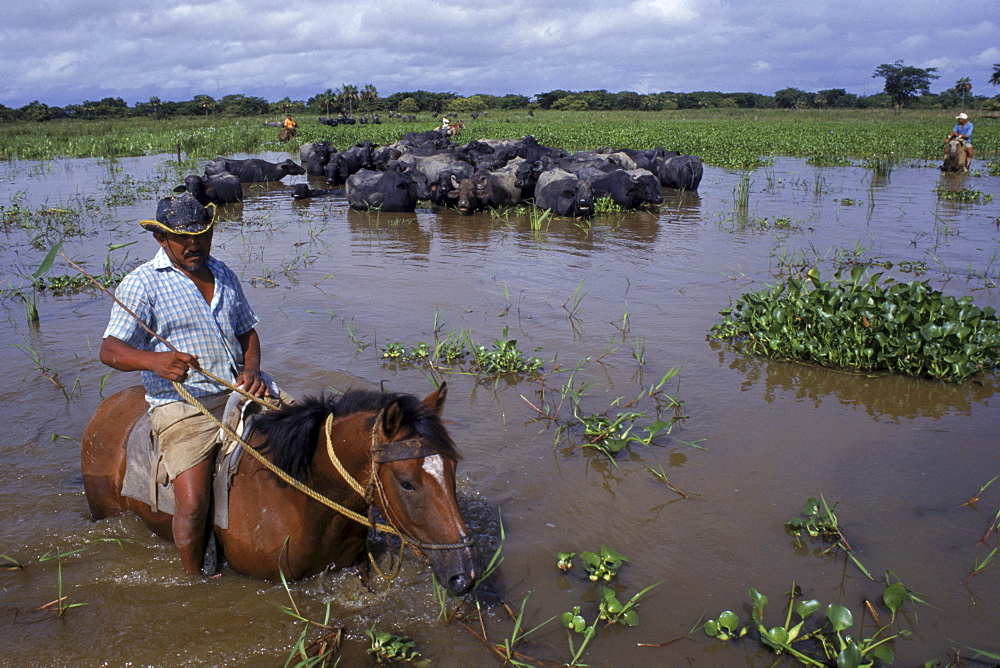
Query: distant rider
[[962, 130]]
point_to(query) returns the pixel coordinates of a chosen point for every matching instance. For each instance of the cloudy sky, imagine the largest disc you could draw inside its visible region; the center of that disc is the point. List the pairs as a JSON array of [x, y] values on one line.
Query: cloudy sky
[[67, 51]]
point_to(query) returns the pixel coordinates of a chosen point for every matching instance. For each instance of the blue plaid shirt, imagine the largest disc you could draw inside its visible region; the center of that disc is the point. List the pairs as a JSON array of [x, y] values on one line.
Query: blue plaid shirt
[[170, 304]]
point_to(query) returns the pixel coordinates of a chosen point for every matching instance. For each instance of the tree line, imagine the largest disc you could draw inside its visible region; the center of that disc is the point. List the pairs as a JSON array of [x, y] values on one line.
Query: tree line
[[904, 86]]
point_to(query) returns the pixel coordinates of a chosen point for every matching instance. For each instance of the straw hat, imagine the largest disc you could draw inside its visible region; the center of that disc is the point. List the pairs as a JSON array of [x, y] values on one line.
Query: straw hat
[[181, 215]]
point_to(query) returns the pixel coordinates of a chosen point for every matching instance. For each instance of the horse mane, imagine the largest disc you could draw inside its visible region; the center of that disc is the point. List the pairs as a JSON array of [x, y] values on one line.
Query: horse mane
[[292, 433]]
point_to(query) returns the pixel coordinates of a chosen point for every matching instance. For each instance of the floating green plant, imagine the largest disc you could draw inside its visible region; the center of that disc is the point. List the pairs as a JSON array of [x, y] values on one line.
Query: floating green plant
[[963, 195], [819, 521], [871, 326], [830, 161], [828, 644], [389, 648]]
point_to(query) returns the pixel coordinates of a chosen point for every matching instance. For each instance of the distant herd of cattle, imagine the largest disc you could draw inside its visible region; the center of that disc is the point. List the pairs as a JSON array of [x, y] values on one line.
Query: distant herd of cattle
[[481, 174]]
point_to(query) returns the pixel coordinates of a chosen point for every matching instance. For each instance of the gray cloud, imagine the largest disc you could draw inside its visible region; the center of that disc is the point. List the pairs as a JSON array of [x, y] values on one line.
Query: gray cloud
[[64, 52]]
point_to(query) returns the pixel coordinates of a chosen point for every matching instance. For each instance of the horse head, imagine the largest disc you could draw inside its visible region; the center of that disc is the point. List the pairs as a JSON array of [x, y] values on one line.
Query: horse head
[[415, 462], [956, 158]]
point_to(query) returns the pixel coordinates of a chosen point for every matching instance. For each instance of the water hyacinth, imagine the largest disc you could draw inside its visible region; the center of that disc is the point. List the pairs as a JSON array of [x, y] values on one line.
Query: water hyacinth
[[872, 326]]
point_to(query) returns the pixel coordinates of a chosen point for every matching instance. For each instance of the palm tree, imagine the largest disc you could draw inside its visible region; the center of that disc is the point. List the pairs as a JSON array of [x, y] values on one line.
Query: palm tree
[[369, 95], [326, 98], [155, 104], [206, 102], [963, 86], [348, 95], [995, 77]]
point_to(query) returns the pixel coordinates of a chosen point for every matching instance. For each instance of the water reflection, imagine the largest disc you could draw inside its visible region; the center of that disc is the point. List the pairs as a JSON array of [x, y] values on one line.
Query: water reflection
[[890, 397]]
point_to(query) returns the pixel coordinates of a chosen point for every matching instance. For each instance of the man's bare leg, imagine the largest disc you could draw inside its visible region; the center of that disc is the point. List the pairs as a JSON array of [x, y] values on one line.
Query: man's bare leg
[[193, 495]]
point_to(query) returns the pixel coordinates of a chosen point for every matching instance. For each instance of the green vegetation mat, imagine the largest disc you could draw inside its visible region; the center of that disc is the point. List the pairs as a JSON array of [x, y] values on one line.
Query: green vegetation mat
[[726, 138]]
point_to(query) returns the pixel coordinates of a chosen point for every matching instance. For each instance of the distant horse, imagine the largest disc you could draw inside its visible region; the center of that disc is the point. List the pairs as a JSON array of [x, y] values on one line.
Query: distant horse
[[394, 445], [286, 133], [956, 157], [451, 130]]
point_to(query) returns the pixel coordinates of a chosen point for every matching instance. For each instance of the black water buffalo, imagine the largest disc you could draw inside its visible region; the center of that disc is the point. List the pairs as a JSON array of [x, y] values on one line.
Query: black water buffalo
[[564, 194], [529, 149], [440, 170], [315, 156], [382, 156], [629, 189], [528, 173], [303, 191], [391, 190], [253, 170], [214, 189], [649, 158], [682, 172], [602, 160], [341, 165], [483, 190], [416, 138]]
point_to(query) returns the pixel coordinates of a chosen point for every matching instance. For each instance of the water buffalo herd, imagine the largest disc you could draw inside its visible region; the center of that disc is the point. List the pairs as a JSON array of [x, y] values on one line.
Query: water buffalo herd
[[479, 175]]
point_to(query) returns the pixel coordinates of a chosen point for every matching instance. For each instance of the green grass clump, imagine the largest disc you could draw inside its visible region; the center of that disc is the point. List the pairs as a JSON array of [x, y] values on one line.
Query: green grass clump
[[905, 328], [830, 161], [963, 195]]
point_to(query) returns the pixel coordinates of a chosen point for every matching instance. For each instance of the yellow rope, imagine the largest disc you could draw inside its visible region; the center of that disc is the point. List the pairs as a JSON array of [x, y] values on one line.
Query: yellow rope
[[346, 512], [328, 429]]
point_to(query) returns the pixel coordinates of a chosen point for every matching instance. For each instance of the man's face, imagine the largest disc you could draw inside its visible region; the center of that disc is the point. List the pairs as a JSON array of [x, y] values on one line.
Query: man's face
[[188, 252], [962, 121]]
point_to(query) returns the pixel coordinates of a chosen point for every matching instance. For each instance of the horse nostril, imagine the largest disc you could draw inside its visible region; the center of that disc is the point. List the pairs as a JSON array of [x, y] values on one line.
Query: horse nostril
[[459, 584]]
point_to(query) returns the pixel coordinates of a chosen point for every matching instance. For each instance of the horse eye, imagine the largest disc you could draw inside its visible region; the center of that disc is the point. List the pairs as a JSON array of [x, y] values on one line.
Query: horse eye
[[406, 484]]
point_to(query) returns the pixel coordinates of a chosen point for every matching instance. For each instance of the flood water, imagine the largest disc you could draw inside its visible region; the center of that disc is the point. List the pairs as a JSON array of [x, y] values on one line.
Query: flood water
[[622, 300]]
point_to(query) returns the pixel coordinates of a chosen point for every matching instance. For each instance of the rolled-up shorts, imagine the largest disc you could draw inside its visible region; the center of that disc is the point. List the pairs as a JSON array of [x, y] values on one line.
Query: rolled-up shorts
[[186, 436]]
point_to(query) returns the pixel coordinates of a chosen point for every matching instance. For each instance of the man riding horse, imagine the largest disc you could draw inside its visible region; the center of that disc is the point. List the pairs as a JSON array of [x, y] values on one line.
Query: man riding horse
[[196, 300], [963, 131]]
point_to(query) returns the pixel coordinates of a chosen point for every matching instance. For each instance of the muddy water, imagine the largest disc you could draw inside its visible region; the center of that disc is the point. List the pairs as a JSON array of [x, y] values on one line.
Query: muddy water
[[334, 286]]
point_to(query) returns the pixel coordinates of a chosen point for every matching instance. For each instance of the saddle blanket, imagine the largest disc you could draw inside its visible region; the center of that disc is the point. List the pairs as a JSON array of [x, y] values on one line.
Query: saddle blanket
[[146, 478]]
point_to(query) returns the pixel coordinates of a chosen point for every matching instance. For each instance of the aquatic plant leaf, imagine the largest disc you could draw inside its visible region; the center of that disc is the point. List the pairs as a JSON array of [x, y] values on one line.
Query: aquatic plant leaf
[[839, 616], [850, 656], [759, 601], [883, 653], [729, 620], [573, 620], [46, 264], [776, 637], [806, 608], [894, 596]]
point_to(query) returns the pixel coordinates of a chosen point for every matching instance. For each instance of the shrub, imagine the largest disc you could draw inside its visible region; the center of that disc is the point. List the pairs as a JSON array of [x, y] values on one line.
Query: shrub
[[905, 328]]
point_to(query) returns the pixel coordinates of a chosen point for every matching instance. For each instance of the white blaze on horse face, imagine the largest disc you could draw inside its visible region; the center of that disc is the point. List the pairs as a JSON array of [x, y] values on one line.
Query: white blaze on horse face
[[434, 465]]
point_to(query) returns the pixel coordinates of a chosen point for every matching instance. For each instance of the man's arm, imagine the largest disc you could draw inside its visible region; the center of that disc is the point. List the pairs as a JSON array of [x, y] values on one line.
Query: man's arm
[[168, 365], [249, 379]]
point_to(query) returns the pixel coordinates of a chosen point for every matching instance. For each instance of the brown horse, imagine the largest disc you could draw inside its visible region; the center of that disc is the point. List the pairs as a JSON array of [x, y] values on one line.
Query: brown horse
[[452, 130], [393, 444], [284, 134], [956, 156]]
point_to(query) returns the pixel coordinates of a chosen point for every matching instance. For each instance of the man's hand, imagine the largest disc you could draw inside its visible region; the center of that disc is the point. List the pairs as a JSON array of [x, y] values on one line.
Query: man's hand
[[172, 365], [250, 381]]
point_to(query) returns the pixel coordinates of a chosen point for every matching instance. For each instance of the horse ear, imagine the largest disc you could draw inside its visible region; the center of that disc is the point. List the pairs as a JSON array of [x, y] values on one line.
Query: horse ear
[[389, 419], [435, 401]]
